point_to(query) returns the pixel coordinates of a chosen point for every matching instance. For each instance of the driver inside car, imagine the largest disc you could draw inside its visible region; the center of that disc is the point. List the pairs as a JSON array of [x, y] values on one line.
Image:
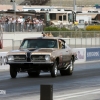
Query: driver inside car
[[60, 44]]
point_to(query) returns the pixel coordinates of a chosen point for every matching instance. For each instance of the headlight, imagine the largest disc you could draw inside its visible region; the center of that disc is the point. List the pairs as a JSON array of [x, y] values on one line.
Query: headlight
[[47, 57], [10, 58]]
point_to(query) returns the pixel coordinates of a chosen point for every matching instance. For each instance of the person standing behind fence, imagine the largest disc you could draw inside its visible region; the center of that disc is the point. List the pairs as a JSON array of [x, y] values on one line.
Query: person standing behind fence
[[9, 23], [41, 25], [29, 24], [20, 23], [2, 22], [37, 24], [16, 24], [6, 23], [13, 25]]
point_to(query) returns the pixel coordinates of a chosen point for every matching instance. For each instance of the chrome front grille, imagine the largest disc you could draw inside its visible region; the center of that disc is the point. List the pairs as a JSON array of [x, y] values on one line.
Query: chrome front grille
[[20, 58], [38, 58]]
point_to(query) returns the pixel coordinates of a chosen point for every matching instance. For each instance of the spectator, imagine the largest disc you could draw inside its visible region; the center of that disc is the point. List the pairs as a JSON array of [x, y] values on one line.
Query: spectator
[[9, 23], [43, 34], [13, 24], [6, 23], [20, 23], [50, 34]]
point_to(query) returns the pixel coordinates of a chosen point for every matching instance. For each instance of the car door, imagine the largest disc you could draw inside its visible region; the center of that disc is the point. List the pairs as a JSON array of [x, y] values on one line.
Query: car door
[[68, 53], [65, 52]]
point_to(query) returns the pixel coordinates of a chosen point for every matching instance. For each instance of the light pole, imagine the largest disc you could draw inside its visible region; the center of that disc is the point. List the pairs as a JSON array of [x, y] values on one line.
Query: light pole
[[74, 5], [14, 4], [14, 8]]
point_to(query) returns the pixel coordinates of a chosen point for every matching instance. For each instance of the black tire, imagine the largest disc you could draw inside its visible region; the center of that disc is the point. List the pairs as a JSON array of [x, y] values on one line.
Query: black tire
[[13, 71], [54, 70], [68, 71], [33, 74]]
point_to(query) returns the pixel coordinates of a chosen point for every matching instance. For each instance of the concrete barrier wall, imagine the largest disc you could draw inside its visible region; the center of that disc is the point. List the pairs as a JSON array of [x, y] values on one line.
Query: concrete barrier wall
[[20, 36], [13, 40]]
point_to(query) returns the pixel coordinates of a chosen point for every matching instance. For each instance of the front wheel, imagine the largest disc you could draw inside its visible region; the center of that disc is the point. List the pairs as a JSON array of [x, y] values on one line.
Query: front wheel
[[13, 71], [54, 70]]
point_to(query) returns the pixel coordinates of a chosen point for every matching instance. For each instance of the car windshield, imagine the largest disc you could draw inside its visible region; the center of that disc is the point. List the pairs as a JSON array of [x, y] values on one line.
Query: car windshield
[[39, 43]]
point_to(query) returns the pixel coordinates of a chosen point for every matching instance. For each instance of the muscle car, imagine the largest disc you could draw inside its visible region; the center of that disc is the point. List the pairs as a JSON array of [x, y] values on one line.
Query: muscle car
[[42, 54]]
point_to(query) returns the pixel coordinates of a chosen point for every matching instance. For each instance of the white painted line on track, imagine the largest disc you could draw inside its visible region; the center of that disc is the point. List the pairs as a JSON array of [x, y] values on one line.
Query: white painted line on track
[[74, 95]]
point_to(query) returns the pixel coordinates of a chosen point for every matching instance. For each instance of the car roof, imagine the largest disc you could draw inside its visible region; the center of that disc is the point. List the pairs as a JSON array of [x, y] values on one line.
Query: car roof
[[58, 38], [42, 38]]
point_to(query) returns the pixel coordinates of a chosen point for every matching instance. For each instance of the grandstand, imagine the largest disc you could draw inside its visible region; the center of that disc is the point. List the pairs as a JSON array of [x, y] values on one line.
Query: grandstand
[[68, 3]]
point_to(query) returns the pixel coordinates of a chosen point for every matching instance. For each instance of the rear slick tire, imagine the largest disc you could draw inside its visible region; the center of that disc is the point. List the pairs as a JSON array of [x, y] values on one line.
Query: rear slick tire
[[68, 71], [71, 68], [54, 70]]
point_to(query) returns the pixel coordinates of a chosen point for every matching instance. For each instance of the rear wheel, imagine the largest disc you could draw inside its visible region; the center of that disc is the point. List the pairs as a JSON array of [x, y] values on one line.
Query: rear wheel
[[54, 70], [34, 74], [68, 71], [13, 71]]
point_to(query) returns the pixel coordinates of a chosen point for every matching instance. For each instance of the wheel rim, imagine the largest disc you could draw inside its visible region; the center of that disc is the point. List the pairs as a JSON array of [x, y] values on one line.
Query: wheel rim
[[71, 66], [56, 70]]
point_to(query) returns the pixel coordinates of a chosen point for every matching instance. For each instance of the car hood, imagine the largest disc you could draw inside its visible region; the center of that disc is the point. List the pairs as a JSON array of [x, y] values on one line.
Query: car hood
[[45, 50], [32, 50]]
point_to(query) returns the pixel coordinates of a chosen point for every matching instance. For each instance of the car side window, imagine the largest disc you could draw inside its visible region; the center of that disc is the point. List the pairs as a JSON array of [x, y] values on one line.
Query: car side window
[[66, 45], [63, 46], [24, 45]]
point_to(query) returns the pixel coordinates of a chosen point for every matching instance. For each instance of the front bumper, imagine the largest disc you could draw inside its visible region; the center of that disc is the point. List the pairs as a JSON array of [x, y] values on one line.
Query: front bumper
[[38, 63]]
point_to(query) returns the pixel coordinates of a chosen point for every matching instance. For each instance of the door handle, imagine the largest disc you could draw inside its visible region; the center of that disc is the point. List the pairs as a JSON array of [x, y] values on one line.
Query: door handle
[[66, 51]]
